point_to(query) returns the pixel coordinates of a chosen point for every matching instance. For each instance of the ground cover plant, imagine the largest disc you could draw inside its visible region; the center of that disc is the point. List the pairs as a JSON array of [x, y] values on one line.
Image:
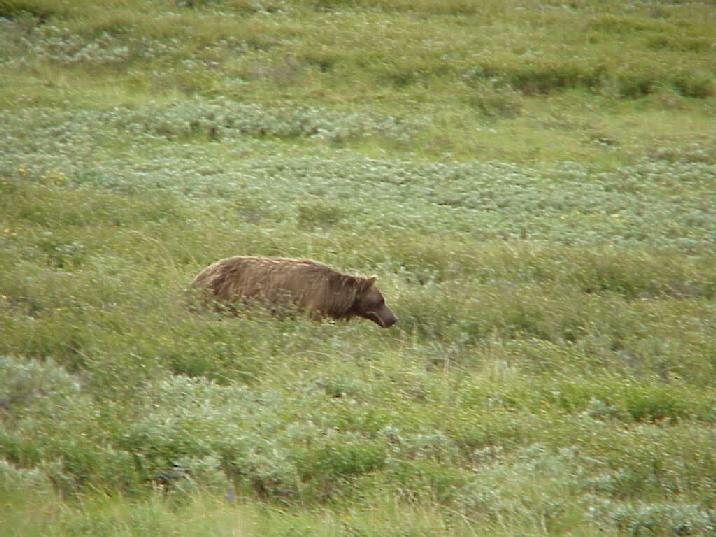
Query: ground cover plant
[[533, 183]]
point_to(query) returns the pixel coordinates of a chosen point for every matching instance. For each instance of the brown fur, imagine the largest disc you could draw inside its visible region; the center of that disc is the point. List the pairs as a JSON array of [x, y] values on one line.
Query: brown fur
[[294, 283]]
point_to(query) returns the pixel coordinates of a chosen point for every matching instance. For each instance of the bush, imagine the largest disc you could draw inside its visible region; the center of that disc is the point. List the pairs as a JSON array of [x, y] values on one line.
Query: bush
[[319, 214], [495, 102], [538, 75], [329, 467], [654, 518], [35, 389]]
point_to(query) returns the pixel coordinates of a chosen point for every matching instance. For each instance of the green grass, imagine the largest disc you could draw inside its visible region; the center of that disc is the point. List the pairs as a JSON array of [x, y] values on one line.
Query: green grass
[[532, 183]]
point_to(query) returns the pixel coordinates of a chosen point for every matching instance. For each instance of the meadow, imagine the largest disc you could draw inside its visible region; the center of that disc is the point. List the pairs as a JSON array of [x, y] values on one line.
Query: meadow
[[532, 182]]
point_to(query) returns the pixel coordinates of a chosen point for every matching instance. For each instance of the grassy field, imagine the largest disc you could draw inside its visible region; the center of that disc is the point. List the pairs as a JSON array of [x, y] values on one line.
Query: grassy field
[[533, 183]]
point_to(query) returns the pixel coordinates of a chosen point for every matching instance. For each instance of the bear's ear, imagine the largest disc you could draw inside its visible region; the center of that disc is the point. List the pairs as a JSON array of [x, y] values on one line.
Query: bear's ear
[[366, 283], [361, 284], [351, 281]]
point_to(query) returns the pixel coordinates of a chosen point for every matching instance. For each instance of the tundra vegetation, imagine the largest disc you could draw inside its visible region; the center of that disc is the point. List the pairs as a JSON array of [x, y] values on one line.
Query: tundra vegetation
[[533, 182]]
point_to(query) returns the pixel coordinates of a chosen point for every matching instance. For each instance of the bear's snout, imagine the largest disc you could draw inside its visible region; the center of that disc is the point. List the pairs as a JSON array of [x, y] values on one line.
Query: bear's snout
[[384, 317], [390, 322]]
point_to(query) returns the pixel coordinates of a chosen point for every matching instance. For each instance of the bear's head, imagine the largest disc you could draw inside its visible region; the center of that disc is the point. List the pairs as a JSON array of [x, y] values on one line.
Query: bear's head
[[370, 304]]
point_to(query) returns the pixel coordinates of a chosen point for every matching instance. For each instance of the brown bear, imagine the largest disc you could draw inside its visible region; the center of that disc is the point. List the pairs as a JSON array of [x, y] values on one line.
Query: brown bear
[[294, 283]]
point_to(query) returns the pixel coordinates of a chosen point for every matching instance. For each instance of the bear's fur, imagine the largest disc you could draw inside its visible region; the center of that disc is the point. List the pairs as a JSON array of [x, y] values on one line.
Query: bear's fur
[[282, 283]]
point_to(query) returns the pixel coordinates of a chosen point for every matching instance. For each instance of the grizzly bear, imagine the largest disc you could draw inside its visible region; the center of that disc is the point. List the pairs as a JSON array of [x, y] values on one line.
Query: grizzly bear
[[294, 283]]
